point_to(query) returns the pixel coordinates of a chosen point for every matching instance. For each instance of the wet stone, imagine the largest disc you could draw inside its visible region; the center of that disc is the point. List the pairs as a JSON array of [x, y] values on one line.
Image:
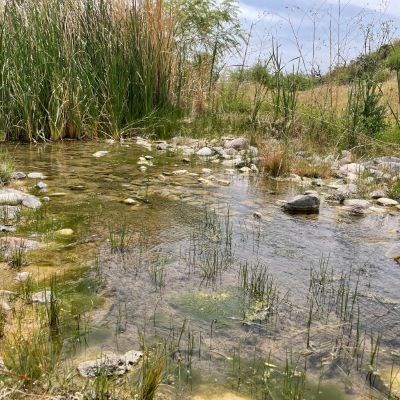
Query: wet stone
[[359, 203], [14, 197], [8, 228], [130, 201], [307, 204], [41, 185], [4, 306], [36, 175], [42, 297], [110, 364], [100, 153], [23, 276], [17, 175], [377, 194], [236, 144]]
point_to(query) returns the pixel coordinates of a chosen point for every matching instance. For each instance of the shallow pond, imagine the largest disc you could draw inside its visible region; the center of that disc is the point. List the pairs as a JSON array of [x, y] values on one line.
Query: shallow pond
[[228, 295]]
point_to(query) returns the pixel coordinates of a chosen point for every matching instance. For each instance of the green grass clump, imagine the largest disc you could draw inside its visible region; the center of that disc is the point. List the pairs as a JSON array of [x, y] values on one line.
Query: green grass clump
[[31, 356], [17, 258], [6, 168], [394, 191]]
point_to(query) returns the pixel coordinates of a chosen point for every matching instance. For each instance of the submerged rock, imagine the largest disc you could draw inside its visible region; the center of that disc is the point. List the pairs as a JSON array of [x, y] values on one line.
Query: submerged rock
[[307, 204], [17, 175], [14, 197], [100, 153], [359, 203], [36, 175], [257, 215], [180, 172], [110, 364], [41, 185]]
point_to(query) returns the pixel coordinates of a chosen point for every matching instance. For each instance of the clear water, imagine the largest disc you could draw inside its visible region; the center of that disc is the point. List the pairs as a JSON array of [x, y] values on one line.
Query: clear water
[[156, 287]]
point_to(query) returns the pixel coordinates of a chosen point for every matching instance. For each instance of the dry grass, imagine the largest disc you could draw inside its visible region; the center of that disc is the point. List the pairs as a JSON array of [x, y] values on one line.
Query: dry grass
[[333, 98], [275, 158]]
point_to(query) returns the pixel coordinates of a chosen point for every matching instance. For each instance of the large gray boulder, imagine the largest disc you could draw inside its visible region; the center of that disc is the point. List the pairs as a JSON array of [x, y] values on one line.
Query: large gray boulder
[[14, 197], [303, 204]]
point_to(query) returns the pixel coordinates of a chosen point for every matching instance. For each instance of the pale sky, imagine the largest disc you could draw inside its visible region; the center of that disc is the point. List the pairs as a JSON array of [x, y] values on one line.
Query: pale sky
[[317, 28]]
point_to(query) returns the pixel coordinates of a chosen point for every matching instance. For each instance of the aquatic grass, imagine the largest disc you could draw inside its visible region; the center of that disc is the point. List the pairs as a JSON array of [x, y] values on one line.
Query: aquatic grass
[[26, 289], [153, 367], [259, 286], [53, 308], [3, 320], [9, 216], [158, 274], [120, 238], [17, 257]]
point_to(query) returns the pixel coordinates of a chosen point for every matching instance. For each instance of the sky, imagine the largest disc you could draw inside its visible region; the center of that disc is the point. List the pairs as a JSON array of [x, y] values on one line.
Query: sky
[[313, 34]]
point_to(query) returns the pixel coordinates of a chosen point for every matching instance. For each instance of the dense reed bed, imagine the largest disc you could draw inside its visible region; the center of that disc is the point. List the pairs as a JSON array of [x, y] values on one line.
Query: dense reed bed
[[75, 69]]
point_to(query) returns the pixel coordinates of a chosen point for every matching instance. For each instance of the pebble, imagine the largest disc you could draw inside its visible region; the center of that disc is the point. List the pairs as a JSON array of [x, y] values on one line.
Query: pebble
[[130, 201], [64, 232], [36, 175], [100, 153], [23, 276]]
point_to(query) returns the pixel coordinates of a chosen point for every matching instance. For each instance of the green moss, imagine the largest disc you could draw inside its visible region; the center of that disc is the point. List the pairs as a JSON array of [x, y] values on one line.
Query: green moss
[[211, 305]]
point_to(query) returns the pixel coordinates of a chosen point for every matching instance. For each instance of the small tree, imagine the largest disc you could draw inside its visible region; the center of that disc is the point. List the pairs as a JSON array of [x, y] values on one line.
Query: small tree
[[206, 30]]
